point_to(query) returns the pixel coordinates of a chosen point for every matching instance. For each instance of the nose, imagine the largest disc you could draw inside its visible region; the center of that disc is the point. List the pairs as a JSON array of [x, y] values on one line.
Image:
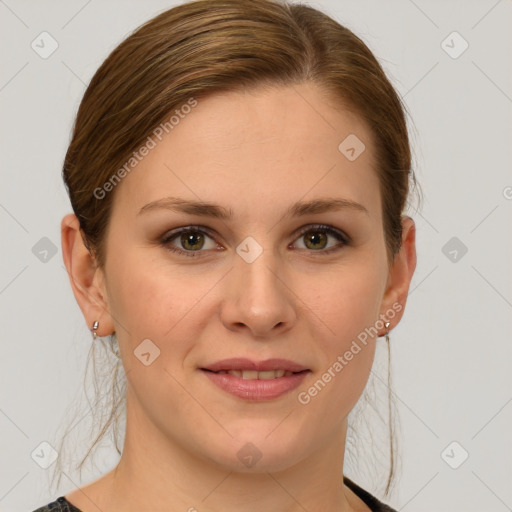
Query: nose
[[258, 298]]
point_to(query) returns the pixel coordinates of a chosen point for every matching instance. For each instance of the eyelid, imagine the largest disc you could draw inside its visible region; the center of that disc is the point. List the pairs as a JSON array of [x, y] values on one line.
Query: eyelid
[[191, 227], [323, 227]]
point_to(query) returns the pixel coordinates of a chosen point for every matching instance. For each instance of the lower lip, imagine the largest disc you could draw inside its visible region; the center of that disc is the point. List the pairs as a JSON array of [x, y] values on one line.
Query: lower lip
[[256, 389]]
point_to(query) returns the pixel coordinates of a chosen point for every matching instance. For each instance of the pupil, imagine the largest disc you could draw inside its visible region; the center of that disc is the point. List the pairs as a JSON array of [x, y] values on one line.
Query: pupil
[[316, 238], [191, 239]]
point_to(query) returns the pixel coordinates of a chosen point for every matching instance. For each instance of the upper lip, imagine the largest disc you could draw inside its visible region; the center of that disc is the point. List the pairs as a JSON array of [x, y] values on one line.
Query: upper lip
[[240, 363]]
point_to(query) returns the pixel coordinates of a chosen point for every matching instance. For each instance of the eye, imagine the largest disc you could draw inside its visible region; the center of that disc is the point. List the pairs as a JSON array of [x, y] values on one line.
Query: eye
[[191, 239], [316, 238]]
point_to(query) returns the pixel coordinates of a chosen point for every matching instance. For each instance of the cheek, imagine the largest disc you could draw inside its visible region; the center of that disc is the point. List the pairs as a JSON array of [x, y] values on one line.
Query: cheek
[[348, 307], [148, 296], [153, 300], [349, 302]]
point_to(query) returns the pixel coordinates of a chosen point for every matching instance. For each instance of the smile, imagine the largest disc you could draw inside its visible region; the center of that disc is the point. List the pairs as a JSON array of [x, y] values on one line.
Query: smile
[[256, 386]]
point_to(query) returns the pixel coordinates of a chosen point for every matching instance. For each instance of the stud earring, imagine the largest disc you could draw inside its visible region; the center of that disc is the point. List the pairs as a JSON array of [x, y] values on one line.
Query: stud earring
[[386, 325], [94, 328]]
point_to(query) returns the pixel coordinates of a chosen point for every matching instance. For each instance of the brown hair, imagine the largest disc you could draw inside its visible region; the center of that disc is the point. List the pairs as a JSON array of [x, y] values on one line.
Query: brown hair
[[206, 46]]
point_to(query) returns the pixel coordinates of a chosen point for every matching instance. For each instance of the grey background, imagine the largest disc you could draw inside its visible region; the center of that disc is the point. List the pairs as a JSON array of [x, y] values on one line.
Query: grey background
[[451, 354]]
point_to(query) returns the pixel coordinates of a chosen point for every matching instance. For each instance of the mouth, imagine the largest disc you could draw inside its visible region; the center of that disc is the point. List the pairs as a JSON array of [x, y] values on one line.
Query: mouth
[[255, 375], [243, 364], [255, 386]]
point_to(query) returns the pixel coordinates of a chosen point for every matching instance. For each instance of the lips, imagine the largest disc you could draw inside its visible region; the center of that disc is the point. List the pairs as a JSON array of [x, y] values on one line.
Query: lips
[[256, 380], [255, 389], [261, 367]]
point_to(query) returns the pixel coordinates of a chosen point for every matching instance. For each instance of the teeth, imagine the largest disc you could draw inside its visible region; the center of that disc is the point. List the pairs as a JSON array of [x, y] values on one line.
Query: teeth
[[251, 374]]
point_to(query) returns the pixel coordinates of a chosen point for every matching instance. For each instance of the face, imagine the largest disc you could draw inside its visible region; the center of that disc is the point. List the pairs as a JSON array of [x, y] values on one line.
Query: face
[[186, 289]]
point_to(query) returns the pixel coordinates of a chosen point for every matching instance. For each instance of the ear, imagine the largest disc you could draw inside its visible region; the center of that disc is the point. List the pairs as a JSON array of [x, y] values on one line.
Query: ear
[[86, 278], [400, 274]]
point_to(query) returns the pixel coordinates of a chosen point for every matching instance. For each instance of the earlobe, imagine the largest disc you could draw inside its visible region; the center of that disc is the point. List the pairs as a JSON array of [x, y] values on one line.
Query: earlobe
[[401, 273], [85, 277]]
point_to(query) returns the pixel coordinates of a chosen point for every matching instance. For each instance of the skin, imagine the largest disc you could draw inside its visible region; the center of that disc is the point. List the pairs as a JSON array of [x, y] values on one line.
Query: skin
[[257, 153]]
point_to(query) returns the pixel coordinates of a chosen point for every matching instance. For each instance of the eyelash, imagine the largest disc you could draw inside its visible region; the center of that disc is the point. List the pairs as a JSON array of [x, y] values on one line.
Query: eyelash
[[340, 236]]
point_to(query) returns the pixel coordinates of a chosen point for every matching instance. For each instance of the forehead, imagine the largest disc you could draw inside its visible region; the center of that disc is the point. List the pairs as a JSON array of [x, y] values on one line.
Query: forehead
[[242, 148]]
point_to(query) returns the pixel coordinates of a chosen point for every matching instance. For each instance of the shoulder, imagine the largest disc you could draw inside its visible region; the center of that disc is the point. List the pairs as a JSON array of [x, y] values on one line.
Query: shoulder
[[61, 504], [373, 503]]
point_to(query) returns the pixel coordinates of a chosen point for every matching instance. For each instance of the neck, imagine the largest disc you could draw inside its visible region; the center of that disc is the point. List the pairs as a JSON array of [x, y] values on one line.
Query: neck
[[158, 473]]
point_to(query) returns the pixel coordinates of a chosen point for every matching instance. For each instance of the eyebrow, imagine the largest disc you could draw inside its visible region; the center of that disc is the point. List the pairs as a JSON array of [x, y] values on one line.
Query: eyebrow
[[298, 209]]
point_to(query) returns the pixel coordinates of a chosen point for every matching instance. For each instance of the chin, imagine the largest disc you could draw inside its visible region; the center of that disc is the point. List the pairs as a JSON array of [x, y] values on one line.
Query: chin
[[259, 452]]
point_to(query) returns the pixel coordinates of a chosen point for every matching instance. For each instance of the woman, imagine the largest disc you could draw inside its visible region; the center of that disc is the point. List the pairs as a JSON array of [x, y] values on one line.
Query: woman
[[238, 173]]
